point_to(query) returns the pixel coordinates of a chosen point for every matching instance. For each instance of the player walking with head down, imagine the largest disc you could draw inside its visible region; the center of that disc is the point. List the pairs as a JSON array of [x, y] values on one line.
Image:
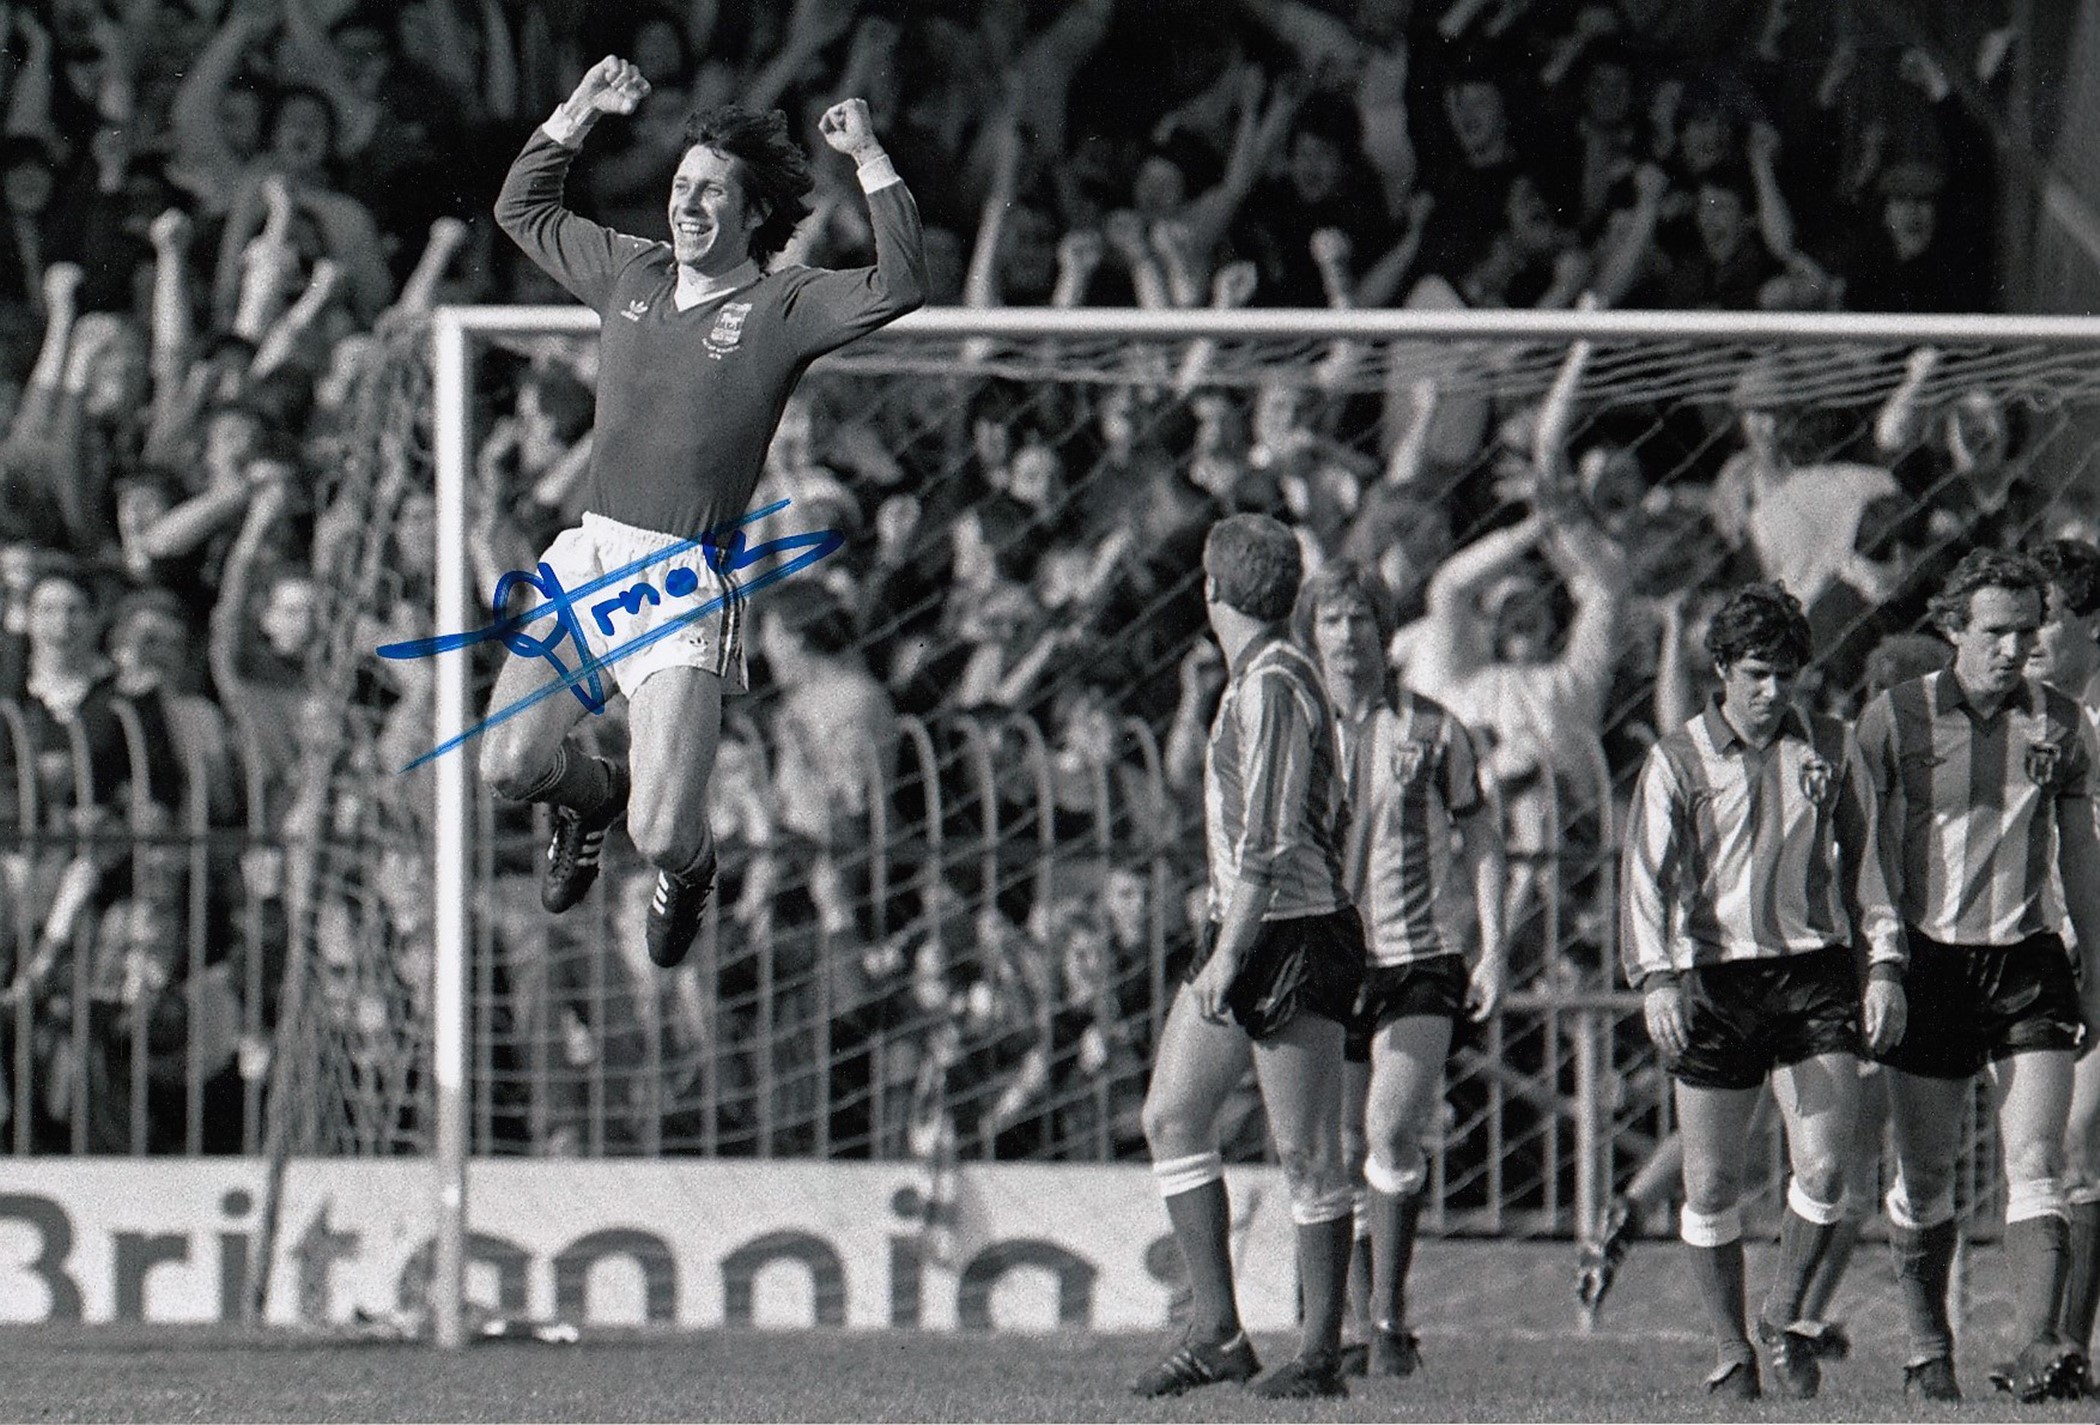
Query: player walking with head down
[[1985, 773], [1412, 783], [1751, 870], [1275, 979], [699, 349]]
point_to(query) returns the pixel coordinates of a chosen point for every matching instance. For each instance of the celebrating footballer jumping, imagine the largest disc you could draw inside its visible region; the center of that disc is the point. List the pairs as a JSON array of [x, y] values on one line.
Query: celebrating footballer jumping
[[702, 342]]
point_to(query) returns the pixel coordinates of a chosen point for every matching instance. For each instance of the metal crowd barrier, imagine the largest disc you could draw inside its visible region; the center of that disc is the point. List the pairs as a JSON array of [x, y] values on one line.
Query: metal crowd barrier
[[770, 1042]]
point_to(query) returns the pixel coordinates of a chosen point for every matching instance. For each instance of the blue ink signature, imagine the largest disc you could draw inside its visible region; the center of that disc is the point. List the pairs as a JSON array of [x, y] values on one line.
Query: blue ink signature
[[726, 551]]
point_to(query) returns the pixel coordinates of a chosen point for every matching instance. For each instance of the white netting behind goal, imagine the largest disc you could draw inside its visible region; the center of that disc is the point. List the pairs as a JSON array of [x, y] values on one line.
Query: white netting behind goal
[[970, 956]]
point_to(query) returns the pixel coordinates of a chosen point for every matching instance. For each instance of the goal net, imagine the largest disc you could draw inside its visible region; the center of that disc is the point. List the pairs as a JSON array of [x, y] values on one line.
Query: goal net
[[957, 941]]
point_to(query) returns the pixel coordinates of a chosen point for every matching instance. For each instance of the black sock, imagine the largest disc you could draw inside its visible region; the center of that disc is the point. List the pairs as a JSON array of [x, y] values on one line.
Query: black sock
[[1393, 1221], [2039, 1251], [577, 780], [1924, 1260], [1360, 1282], [1720, 1274], [702, 866], [1323, 1271], [1830, 1272], [2082, 1283], [1801, 1247], [1202, 1222]]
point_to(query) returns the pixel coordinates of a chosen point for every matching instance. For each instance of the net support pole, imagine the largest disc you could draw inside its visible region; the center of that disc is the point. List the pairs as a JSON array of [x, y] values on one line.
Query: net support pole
[[449, 879]]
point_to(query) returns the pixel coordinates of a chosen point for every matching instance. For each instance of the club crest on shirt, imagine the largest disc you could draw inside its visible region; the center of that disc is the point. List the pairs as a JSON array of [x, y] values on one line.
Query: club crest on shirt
[[1818, 781], [1409, 757], [2043, 760], [728, 329]]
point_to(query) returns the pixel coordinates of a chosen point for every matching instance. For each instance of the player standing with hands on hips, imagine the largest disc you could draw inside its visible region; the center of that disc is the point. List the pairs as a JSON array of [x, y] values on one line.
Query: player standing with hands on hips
[[700, 347]]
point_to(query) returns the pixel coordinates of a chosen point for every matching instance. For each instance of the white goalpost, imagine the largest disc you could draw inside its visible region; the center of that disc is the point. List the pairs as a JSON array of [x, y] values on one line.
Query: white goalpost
[[1400, 336]]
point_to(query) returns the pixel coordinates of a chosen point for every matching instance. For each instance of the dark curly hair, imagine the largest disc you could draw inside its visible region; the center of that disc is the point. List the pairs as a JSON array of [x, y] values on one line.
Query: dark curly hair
[[1760, 621], [1985, 569], [772, 167], [2072, 567], [1257, 565]]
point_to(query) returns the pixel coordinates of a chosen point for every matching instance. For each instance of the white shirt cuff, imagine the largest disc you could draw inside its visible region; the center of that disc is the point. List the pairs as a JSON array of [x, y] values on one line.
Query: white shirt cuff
[[562, 129], [877, 172]]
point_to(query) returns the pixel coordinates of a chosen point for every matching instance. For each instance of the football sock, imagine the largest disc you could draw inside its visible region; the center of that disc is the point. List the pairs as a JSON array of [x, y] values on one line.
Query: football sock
[[2037, 1248], [1924, 1259], [1802, 1244], [1360, 1281], [577, 781], [1323, 1269], [2082, 1282], [1202, 1222], [1720, 1274], [1830, 1271], [700, 859], [1393, 1219]]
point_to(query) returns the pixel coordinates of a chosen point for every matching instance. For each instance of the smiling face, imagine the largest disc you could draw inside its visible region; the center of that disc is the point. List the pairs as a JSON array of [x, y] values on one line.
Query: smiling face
[[711, 219]]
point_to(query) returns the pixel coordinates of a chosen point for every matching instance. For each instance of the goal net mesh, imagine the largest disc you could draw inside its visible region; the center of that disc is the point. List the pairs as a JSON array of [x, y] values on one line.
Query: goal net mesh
[[967, 955]]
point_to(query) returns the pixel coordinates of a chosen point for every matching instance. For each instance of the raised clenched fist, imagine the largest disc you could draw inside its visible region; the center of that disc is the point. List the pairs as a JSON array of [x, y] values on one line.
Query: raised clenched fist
[[848, 129], [611, 86]]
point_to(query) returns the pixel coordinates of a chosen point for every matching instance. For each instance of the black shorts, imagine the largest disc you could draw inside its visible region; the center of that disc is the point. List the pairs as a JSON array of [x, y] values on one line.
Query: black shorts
[[1312, 963], [1972, 1004], [1749, 1017], [1435, 987]]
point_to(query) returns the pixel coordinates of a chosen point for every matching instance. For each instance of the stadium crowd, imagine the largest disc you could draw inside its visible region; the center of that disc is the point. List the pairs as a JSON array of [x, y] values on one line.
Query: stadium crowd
[[221, 214]]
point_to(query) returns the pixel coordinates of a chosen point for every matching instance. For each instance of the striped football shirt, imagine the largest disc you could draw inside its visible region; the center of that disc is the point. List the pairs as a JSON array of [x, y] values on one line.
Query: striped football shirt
[[1970, 803], [1732, 853], [1272, 794], [1410, 771]]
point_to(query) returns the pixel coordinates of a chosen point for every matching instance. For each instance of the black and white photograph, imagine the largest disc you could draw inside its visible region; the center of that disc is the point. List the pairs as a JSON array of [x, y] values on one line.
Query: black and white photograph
[[1049, 710]]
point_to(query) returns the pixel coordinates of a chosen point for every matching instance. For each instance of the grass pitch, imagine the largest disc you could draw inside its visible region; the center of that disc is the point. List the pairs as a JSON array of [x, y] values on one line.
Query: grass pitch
[[209, 1374], [1498, 1328]]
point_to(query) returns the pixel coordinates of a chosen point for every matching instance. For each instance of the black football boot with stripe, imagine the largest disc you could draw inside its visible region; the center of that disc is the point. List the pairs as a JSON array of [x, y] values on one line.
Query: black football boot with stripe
[[578, 841], [675, 911], [1194, 1364]]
